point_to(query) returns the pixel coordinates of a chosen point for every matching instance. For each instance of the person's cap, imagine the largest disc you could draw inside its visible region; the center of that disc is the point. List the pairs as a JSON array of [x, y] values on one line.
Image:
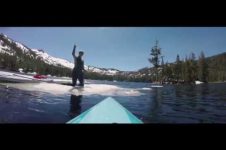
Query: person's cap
[[81, 52]]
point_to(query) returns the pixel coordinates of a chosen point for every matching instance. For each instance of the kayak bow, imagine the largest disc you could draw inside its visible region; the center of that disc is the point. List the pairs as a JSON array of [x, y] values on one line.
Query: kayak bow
[[107, 111]]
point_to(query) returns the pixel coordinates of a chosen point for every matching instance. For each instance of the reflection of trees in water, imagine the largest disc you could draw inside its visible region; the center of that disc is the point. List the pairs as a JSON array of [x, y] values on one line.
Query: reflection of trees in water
[[186, 95], [75, 105], [203, 90], [199, 91], [171, 98], [191, 95], [180, 103], [155, 105]]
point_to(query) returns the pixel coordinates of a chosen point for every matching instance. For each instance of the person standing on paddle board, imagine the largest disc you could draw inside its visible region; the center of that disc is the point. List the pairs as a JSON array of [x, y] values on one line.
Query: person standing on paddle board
[[78, 71]]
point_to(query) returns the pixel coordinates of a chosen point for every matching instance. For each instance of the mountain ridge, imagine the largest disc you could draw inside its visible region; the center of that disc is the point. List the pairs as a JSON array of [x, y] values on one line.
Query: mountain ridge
[[45, 57]]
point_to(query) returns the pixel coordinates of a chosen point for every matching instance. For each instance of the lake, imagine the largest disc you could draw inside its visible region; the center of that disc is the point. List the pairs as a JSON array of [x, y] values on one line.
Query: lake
[[204, 103]]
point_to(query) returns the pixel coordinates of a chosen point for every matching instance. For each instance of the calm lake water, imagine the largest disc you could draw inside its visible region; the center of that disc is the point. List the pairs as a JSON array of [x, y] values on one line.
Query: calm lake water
[[205, 103]]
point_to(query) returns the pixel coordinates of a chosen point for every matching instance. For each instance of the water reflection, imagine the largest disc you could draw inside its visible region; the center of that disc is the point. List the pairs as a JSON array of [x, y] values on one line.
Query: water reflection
[[75, 105], [155, 105], [204, 103], [204, 91]]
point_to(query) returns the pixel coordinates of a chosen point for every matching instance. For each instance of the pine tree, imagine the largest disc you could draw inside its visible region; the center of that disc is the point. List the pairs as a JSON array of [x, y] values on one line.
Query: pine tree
[[192, 68], [163, 69], [203, 68], [155, 53], [168, 71], [177, 68], [187, 65]]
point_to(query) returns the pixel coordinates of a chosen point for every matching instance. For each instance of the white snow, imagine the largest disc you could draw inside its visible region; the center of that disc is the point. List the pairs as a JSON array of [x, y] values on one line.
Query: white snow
[[62, 80], [19, 45], [90, 89], [32, 73], [29, 77], [144, 88], [53, 88], [4, 73], [86, 67], [198, 82], [9, 75], [100, 70], [112, 71], [2, 50], [53, 60], [18, 77], [20, 70], [157, 86], [5, 35]]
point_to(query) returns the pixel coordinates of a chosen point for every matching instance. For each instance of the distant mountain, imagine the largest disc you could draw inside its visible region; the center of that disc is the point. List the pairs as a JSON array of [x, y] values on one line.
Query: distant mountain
[[217, 67], [11, 47], [41, 54]]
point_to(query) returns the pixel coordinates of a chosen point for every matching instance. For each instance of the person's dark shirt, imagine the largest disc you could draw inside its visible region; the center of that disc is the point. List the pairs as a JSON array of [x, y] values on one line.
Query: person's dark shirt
[[79, 63]]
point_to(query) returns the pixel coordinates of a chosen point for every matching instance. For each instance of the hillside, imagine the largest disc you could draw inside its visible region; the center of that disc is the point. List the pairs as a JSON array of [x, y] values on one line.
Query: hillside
[[15, 55], [216, 69]]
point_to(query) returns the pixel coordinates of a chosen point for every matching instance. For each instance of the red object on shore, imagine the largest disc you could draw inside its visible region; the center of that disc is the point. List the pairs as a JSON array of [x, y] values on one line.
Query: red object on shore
[[38, 76]]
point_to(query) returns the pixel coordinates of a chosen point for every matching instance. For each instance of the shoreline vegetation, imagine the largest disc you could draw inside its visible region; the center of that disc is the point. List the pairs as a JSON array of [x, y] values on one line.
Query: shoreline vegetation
[[189, 70], [17, 77], [153, 83], [218, 82]]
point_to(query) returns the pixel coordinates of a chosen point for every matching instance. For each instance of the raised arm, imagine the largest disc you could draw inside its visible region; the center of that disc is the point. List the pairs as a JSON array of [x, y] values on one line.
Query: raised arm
[[73, 52]]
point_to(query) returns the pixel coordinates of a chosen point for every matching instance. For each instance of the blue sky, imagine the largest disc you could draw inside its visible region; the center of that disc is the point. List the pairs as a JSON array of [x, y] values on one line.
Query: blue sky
[[123, 48]]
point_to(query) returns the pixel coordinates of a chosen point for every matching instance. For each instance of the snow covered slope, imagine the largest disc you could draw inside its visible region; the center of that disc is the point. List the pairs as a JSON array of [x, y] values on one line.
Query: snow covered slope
[[41, 54], [52, 60]]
